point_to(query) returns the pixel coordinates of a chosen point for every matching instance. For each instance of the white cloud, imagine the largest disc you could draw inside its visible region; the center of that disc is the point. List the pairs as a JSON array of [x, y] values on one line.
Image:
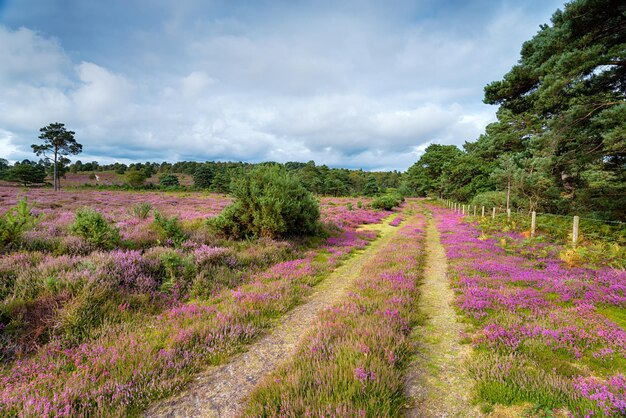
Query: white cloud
[[101, 94], [345, 85]]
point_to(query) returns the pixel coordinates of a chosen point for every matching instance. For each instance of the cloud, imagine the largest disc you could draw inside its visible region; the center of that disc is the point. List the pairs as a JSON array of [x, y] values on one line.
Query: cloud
[[352, 84], [101, 94]]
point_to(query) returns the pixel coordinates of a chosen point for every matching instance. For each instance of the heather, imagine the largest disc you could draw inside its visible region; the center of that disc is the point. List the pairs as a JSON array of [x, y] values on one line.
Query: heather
[[350, 364], [545, 332], [94, 329]]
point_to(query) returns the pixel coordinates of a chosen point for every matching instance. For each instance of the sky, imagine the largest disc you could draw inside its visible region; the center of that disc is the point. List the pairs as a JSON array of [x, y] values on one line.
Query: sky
[[356, 84]]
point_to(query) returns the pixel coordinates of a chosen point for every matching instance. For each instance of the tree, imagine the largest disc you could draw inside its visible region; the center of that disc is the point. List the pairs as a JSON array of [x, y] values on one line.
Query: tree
[[571, 80], [4, 168], [203, 176], [58, 141], [371, 187], [27, 174], [423, 177]]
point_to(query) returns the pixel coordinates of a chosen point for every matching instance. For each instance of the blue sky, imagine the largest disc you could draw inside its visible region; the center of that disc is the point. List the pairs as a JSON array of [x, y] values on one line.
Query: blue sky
[[358, 84]]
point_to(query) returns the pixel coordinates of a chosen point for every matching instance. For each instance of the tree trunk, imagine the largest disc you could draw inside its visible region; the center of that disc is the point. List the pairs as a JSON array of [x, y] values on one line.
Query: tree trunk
[[508, 193], [54, 179]]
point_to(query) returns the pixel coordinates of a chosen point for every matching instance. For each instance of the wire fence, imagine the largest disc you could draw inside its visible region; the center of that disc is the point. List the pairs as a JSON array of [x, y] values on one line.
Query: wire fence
[[572, 229]]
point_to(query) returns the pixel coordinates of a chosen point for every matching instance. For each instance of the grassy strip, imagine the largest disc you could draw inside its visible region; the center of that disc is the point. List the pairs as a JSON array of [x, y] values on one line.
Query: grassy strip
[[351, 363]]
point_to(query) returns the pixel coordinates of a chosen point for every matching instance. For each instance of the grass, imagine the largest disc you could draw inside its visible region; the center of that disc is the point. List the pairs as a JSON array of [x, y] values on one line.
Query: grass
[[546, 332], [350, 364]]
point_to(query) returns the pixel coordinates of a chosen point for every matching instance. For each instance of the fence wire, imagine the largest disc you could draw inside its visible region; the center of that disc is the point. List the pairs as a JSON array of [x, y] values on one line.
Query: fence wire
[[552, 224]]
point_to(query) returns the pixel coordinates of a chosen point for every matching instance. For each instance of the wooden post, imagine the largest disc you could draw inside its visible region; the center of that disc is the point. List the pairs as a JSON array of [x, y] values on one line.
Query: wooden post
[[483, 215], [474, 210], [493, 213], [575, 230], [508, 213], [533, 223], [463, 210]]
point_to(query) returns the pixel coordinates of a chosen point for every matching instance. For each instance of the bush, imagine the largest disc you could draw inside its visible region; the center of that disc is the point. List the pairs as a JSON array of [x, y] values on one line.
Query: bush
[[136, 178], [15, 222], [169, 229], [168, 180], [141, 211], [388, 201], [94, 228], [269, 202]]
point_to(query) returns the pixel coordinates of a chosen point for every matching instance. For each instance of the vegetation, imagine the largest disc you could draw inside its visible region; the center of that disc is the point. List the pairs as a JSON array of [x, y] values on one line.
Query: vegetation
[[26, 173], [136, 178], [388, 201], [169, 180], [94, 228], [558, 145], [60, 142], [82, 321], [15, 222], [269, 202], [351, 362]]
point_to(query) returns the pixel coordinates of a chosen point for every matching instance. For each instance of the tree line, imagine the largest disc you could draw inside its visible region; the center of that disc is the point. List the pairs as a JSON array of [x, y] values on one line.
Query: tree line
[[212, 176]]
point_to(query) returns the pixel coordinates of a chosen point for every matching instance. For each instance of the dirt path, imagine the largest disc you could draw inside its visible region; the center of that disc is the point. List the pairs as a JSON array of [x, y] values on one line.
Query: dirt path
[[220, 391], [437, 382]]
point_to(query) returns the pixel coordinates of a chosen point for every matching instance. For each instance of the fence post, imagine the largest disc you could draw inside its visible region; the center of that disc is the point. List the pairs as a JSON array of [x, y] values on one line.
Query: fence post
[[483, 215], [463, 211], [508, 213], [533, 223], [474, 210], [493, 213], [575, 230]]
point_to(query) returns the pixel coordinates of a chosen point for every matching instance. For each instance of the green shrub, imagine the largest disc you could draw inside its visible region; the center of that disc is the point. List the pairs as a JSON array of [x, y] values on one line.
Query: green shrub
[[169, 229], [15, 222], [136, 178], [269, 202], [388, 201], [169, 180], [141, 210], [94, 228]]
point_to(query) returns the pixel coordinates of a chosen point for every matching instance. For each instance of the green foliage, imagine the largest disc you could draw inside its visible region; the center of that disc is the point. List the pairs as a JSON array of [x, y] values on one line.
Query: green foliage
[[59, 142], [203, 176], [269, 202], [94, 228], [4, 168], [169, 229], [490, 200], [388, 201], [136, 178], [371, 187], [141, 210], [179, 271], [169, 180], [424, 177], [26, 174], [15, 222]]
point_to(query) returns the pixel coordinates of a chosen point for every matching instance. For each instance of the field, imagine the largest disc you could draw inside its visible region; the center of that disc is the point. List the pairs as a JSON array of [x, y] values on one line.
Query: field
[[417, 312]]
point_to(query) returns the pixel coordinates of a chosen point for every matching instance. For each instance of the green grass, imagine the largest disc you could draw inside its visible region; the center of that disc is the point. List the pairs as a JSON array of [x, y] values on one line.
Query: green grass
[[615, 314]]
